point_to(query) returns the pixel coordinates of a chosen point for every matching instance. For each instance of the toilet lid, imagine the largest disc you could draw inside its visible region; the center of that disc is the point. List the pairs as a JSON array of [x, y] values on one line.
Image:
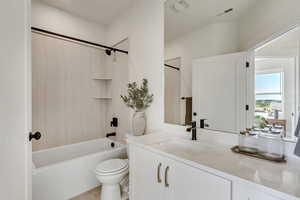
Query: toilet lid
[[113, 165]]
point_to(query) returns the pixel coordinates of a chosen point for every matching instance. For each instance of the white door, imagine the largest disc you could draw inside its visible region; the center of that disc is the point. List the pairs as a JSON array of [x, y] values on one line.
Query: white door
[[146, 175], [189, 183], [219, 91], [15, 149]]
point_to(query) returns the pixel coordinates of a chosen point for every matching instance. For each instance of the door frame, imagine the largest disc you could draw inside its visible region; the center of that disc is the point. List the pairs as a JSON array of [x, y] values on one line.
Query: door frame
[[28, 92], [15, 71]]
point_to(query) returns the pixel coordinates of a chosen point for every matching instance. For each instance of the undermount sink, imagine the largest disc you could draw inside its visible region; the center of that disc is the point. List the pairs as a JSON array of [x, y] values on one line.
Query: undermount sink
[[180, 145]]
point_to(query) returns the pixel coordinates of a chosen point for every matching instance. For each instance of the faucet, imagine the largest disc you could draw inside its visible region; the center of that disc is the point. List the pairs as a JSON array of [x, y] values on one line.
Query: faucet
[[203, 124], [193, 129]]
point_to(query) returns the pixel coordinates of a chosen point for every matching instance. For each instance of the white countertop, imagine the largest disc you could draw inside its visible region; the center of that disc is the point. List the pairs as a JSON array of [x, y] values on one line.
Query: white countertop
[[280, 178]]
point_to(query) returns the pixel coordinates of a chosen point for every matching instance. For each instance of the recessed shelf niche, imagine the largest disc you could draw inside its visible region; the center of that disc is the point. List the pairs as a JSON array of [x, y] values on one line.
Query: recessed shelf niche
[[96, 77], [101, 76], [102, 89]]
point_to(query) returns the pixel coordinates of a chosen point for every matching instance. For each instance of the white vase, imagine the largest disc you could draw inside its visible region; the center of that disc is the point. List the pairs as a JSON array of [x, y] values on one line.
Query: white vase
[[139, 123]]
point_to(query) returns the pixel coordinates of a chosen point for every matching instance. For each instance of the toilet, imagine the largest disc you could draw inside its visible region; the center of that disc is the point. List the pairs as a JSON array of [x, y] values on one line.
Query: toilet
[[110, 173]]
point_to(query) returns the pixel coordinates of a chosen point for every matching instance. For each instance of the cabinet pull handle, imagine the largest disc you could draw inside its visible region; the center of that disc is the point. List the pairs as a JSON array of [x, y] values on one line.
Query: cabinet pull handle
[[158, 173], [166, 176]]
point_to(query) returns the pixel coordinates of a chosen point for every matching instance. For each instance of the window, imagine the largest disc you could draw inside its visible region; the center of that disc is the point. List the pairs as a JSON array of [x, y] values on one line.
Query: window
[[269, 94]]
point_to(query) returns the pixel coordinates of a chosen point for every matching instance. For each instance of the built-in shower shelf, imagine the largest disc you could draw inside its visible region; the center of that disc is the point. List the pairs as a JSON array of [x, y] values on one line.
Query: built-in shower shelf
[[102, 78], [103, 98]]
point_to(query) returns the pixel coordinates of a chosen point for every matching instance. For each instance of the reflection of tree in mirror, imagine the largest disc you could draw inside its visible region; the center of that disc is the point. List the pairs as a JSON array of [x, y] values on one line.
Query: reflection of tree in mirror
[[263, 107], [260, 122]]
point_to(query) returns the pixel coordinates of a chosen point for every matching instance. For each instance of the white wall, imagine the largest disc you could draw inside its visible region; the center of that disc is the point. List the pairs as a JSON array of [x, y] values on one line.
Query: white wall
[[214, 39], [52, 19], [143, 24], [266, 18], [120, 81], [14, 113]]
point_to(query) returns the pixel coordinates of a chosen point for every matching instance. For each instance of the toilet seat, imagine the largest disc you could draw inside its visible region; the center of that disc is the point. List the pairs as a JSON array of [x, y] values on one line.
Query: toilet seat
[[113, 166], [125, 170]]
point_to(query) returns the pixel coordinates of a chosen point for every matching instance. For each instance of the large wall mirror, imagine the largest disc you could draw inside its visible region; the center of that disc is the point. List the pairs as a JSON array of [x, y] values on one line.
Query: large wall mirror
[[277, 82], [211, 77]]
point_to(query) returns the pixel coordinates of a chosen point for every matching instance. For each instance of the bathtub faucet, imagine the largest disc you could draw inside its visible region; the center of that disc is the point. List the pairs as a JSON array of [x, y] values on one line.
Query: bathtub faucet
[[111, 134]]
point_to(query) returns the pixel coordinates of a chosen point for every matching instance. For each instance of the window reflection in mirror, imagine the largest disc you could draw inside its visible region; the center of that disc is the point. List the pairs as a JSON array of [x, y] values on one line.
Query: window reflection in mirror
[[277, 84]]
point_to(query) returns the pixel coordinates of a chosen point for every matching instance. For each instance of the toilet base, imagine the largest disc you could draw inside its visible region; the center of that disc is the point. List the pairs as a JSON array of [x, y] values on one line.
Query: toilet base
[[111, 192]]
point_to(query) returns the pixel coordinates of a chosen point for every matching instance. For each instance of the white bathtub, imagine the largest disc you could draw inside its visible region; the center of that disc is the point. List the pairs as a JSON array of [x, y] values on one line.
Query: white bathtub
[[65, 172]]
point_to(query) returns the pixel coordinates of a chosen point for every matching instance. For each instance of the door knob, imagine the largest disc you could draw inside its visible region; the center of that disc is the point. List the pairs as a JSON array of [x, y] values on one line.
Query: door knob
[[36, 136]]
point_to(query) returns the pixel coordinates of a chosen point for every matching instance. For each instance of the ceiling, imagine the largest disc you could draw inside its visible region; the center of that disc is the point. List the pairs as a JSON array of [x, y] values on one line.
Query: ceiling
[[200, 13], [100, 11], [286, 45]]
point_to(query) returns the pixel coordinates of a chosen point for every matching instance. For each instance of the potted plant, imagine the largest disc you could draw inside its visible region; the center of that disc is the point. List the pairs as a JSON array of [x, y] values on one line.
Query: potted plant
[[139, 100]]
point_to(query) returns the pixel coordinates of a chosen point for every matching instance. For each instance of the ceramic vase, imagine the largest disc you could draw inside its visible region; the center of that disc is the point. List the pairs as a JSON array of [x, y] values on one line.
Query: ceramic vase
[[139, 123]]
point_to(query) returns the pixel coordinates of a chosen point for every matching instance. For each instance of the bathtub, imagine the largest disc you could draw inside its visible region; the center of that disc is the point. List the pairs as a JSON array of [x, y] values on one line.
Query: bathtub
[[65, 172]]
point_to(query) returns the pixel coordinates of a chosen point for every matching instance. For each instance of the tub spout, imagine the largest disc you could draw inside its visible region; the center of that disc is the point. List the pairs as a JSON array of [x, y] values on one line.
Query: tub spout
[[111, 134]]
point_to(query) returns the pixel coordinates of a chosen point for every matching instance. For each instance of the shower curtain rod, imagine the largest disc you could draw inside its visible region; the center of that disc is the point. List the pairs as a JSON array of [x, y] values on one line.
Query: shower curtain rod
[[172, 67], [34, 29]]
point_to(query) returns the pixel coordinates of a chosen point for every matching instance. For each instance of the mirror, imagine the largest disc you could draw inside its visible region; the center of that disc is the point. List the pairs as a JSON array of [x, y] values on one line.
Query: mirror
[[173, 91], [277, 83], [215, 77]]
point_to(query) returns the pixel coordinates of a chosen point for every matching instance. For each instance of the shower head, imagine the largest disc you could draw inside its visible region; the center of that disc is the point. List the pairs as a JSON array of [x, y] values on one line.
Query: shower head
[[108, 52]]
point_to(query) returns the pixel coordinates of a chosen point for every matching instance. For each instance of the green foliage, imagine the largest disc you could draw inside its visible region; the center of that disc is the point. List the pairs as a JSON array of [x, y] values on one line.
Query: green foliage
[[263, 103], [138, 98], [260, 122]]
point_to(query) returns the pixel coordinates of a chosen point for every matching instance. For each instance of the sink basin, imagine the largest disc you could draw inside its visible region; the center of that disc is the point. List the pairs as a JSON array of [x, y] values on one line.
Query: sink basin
[[182, 146]]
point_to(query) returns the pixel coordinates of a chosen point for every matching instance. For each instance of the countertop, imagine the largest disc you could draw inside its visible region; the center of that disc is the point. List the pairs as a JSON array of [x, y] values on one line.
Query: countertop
[[282, 179]]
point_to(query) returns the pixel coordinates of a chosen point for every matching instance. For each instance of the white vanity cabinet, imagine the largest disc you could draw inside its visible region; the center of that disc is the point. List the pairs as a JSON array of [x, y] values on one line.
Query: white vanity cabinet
[[153, 176], [246, 192], [167, 167]]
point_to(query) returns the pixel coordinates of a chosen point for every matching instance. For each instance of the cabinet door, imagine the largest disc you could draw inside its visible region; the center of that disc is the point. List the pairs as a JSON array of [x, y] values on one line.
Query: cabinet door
[[189, 183], [144, 175], [245, 192], [254, 195], [261, 196]]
